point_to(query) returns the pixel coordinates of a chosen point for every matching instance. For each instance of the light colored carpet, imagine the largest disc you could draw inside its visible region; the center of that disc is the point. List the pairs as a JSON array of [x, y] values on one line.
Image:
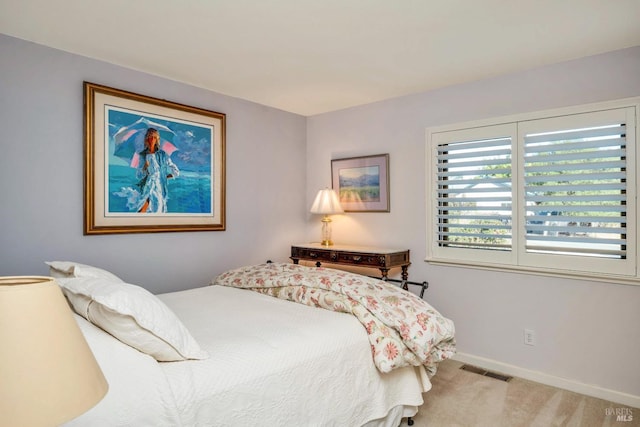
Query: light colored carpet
[[467, 399]]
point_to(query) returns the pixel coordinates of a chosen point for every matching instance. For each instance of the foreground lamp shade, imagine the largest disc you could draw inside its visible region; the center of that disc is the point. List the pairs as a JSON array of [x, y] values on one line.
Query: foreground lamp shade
[[48, 374], [326, 203]]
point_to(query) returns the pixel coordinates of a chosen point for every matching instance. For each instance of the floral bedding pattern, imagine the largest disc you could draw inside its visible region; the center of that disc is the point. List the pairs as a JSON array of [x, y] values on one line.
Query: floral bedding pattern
[[403, 329]]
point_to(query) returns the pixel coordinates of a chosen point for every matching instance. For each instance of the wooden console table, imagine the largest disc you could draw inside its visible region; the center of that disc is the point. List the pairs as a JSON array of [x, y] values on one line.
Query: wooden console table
[[361, 256]]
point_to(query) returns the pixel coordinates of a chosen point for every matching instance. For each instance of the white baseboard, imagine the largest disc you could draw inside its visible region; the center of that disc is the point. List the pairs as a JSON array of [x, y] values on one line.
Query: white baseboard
[[551, 380]]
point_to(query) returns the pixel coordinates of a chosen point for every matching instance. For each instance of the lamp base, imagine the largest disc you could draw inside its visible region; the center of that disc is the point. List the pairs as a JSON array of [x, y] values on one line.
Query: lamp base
[[326, 231]]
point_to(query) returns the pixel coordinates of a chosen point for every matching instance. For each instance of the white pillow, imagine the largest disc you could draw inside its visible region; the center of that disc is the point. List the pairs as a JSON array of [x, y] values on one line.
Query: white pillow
[[66, 269], [134, 316]]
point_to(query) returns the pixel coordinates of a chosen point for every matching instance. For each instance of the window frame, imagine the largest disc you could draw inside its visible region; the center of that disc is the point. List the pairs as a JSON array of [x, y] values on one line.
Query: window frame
[[625, 271]]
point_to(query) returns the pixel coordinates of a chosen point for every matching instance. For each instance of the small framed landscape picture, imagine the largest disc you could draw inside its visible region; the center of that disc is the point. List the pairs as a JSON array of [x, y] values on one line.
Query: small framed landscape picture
[[362, 183]]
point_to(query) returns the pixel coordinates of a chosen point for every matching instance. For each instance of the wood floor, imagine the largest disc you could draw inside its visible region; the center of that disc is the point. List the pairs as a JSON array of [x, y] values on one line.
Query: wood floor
[[467, 399]]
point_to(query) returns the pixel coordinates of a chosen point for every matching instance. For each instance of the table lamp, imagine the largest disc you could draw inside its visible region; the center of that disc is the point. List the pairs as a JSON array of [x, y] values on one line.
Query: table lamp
[[48, 374], [326, 203]]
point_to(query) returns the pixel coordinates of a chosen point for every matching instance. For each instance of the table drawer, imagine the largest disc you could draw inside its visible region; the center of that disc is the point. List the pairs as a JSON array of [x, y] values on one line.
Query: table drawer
[[361, 259], [314, 254]]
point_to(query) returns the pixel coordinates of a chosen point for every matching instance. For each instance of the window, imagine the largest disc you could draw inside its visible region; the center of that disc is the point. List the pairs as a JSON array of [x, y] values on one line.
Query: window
[[551, 192]]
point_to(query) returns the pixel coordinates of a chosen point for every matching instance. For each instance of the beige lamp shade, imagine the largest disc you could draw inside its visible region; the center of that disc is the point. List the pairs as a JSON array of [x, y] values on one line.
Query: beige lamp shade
[[48, 374], [326, 203]]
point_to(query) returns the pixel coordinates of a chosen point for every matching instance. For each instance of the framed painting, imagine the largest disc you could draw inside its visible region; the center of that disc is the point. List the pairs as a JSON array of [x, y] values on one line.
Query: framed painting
[[362, 183], [151, 165]]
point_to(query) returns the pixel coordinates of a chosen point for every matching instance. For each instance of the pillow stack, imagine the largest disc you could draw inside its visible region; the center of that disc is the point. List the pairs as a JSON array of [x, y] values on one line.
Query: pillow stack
[[128, 312]]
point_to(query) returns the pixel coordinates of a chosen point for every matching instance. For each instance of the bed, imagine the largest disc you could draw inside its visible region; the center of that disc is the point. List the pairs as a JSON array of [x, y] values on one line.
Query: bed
[[240, 356]]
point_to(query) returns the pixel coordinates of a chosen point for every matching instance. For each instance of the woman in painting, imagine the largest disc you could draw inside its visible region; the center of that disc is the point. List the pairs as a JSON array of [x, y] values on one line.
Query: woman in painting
[[157, 168]]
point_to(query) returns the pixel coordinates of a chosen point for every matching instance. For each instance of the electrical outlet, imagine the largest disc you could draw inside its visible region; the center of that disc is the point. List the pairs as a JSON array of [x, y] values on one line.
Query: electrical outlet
[[529, 337]]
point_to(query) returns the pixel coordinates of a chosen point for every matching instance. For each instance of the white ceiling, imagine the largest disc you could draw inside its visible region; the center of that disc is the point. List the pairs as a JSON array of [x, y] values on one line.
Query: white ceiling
[[310, 57]]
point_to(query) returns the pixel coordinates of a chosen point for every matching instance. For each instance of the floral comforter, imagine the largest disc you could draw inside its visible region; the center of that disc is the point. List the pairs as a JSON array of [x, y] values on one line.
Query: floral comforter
[[403, 329]]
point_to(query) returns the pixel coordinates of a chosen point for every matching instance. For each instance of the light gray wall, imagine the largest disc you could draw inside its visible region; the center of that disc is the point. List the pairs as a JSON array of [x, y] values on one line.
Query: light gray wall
[[41, 176], [586, 332]]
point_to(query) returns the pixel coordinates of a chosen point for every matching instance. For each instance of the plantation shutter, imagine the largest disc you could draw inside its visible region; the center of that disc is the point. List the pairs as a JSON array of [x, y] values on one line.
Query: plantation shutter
[[552, 192], [575, 194], [474, 198]]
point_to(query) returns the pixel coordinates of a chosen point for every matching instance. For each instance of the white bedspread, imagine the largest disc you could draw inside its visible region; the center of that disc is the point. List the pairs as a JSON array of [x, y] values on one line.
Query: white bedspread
[[275, 363], [139, 394]]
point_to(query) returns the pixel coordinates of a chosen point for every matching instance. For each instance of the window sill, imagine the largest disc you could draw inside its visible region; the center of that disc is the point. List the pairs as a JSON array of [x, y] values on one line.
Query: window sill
[[564, 274]]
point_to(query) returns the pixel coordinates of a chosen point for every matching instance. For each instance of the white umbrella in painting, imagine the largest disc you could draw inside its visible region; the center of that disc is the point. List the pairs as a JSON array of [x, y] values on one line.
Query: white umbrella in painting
[[129, 140]]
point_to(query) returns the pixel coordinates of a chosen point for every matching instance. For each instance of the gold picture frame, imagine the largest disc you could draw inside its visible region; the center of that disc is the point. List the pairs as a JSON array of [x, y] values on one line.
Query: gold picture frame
[[181, 180]]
